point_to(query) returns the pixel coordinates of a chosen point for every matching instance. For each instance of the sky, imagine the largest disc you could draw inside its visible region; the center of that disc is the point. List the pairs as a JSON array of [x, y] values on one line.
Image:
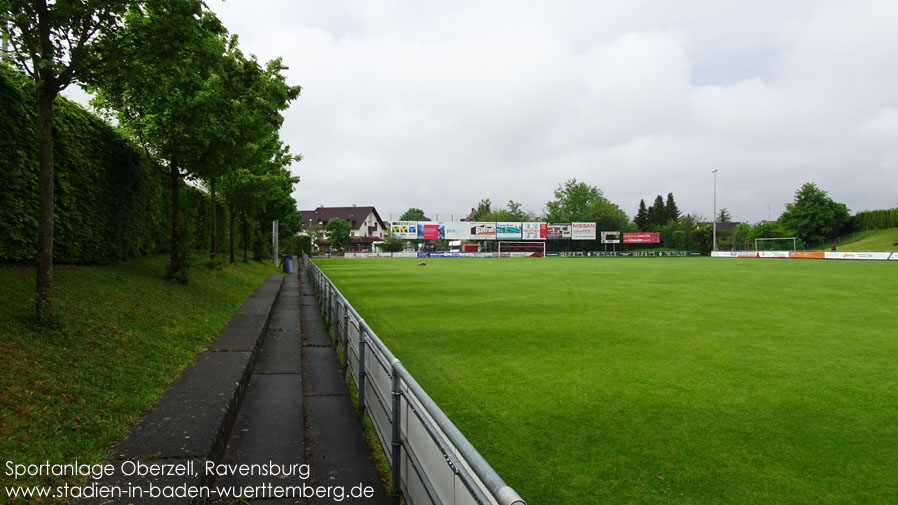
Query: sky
[[437, 105]]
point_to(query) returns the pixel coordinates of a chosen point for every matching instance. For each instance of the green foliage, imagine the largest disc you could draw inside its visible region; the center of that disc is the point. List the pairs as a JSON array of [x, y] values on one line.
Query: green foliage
[[573, 202], [657, 215], [875, 219], [672, 213], [391, 244], [512, 212], [338, 232], [723, 216], [111, 202], [642, 216], [484, 210], [413, 214], [814, 216]]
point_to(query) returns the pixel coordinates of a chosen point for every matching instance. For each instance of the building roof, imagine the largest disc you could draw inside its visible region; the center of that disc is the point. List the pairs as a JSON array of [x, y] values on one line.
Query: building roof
[[322, 215]]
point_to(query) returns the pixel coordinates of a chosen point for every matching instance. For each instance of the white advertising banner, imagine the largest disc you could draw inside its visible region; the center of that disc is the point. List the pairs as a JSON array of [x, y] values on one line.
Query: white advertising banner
[[482, 231], [583, 231], [456, 231], [405, 230], [508, 231], [860, 255], [774, 254], [533, 231]]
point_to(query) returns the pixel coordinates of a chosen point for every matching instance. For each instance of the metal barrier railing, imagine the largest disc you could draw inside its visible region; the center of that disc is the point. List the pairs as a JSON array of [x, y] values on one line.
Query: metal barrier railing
[[431, 461]]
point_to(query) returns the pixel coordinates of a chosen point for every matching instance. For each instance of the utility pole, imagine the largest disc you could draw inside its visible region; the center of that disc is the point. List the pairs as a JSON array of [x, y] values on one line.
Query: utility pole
[[714, 240]]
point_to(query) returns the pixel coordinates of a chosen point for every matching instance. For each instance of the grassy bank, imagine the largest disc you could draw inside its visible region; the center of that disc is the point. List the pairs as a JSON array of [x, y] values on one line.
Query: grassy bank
[[655, 380], [876, 240], [124, 334]]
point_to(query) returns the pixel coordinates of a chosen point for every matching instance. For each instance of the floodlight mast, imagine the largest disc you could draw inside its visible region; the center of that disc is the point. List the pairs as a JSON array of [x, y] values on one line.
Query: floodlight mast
[[714, 239]]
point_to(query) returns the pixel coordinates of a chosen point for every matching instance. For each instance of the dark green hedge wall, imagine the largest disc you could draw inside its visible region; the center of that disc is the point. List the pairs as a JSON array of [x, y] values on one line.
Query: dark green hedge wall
[[111, 203]]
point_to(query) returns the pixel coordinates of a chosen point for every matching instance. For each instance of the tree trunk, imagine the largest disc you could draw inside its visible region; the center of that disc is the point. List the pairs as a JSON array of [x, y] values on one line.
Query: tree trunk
[[174, 267], [46, 93], [245, 239], [231, 223], [212, 217]]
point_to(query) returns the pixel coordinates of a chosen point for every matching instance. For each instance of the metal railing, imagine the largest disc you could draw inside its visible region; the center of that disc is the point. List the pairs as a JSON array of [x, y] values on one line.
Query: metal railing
[[431, 461]]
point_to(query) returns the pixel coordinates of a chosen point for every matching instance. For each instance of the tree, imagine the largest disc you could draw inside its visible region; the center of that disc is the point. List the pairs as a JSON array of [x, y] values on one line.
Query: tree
[[657, 214], [391, 243], [642, 216], [814, 216], [338, 232], [413, 214], [723, 216], [608, 216], [55, 44], [484, 210], [670, 209], [573, 202]]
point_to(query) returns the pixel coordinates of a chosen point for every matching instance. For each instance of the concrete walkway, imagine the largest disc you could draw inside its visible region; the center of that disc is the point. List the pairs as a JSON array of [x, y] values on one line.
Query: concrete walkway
[[297, 409], [268, 392]]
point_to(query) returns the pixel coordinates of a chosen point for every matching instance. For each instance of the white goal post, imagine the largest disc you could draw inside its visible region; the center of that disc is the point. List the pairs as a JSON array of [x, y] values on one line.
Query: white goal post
[[522, 249], [793, 239]]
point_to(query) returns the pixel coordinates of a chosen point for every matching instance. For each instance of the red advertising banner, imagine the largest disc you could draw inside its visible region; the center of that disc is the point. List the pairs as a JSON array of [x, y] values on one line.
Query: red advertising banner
[[431, 232], [642, 238]]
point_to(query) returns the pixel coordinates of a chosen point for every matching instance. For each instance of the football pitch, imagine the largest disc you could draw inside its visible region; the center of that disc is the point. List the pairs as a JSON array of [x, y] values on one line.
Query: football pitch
[[654, 380]]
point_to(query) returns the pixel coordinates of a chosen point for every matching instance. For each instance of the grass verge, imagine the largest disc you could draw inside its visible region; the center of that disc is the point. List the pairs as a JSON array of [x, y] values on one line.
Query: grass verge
[[123, 334]]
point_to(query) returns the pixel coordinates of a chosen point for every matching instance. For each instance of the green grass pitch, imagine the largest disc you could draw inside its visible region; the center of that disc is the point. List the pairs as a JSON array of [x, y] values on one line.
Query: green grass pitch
[[654, 380]]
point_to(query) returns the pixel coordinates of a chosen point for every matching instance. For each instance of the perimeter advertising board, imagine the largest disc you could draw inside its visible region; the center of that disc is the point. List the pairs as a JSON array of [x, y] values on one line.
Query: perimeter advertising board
[[583, 231], [558, 231], [508, 231], [533, 231], [405, 230], [813, 255], [482, 231], [642, 238], [862, 255]]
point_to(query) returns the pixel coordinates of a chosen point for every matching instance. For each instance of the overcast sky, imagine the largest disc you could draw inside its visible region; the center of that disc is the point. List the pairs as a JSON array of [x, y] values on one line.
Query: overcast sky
[[440, 104]]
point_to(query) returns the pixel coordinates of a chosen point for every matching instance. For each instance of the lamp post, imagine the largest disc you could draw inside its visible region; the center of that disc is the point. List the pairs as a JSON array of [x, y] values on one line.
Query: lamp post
[[714, 239]]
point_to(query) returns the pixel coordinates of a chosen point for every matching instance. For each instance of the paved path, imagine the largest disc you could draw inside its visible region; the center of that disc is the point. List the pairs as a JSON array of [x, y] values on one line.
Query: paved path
[[267, 391], [297, 409]]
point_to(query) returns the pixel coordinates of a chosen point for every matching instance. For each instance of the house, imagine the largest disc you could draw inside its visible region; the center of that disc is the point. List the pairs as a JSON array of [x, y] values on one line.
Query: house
[[366, 226]]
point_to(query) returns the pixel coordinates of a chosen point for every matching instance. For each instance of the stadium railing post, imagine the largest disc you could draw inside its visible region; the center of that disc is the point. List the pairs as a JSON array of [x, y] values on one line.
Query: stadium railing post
[[396, 442], [363, 342]]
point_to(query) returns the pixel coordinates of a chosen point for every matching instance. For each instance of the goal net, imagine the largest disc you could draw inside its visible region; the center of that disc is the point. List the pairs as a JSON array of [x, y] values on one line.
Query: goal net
[[519, 249], [775, 243]]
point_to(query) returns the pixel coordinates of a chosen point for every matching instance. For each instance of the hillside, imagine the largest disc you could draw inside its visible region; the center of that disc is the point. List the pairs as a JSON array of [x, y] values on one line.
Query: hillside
[[878, 240]]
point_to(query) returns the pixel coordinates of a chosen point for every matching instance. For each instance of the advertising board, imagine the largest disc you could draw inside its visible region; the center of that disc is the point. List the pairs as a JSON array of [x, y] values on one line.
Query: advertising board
[[534, 231], [430, 230], [508, 231], [642, 238], [583, 231], [456, 231], [558, 231], [405, 230], [859, 255], [481, 231], [812, 255]]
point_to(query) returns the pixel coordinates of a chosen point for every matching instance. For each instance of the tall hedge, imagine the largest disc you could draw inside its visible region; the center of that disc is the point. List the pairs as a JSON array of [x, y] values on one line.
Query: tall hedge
[[875, 219], [111, 202]]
